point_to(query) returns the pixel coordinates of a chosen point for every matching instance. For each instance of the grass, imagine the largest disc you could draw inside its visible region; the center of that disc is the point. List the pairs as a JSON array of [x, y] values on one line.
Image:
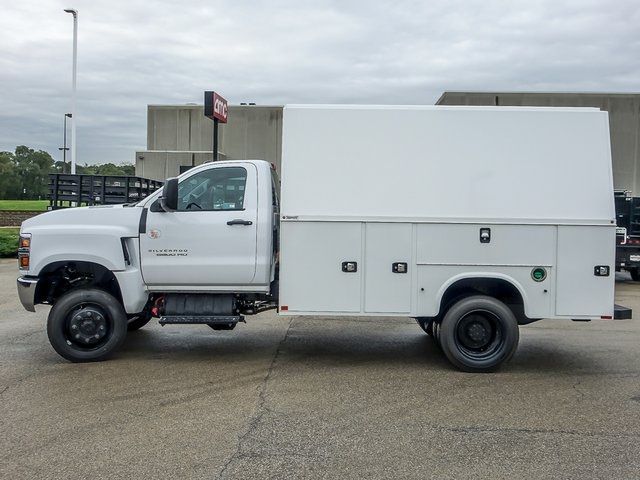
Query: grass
[[9, 242], [26, 205]]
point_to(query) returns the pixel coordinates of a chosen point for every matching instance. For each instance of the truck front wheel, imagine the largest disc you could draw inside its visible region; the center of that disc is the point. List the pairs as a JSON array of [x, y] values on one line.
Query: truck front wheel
[[86, 325], [136, 322], [635, 274], [478, 334]]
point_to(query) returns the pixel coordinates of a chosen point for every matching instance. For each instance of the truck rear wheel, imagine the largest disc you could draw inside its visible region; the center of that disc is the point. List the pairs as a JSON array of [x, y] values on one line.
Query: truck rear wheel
[[86, 325], [478, 334], [635, 274], [426, 324]]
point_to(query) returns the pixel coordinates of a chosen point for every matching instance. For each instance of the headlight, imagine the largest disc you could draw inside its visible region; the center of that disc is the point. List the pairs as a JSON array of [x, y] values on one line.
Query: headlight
[[24, 251]]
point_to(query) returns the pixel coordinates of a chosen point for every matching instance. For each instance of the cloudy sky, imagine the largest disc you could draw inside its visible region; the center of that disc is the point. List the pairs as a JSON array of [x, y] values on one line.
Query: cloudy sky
[[138, 52]]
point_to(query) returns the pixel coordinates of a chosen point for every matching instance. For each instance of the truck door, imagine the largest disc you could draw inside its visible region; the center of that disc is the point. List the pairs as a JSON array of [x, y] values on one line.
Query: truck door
[[211, 239]]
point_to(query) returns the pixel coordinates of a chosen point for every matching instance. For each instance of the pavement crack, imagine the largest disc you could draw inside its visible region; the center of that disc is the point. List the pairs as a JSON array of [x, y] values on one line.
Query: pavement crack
[[17, 383], [23, 336], [576, 387], [261, 408]]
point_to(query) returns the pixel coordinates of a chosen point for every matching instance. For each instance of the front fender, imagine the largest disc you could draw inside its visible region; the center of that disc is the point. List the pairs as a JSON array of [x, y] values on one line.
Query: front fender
[[96, 244]]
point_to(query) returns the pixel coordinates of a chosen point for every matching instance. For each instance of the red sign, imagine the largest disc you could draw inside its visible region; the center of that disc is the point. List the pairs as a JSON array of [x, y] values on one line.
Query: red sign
[[215, 106]]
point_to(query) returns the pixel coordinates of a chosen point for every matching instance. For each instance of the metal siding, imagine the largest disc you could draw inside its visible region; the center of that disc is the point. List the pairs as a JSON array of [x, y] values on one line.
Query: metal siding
[[252, 132]]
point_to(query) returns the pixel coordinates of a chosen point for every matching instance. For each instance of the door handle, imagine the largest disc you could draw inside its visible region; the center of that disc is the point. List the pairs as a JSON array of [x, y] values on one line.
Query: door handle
[[239, 221]]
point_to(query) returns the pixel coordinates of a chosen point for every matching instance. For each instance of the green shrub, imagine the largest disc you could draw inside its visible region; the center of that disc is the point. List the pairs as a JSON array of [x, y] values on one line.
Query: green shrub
[[9, 242]]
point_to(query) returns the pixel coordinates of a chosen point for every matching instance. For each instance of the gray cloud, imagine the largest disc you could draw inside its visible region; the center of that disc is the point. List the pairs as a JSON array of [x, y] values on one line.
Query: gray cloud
[[156, 51]]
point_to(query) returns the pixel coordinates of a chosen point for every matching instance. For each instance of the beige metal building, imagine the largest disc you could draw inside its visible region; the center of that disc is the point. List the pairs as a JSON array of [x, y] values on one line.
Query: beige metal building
[[624, 122], [180, 136]]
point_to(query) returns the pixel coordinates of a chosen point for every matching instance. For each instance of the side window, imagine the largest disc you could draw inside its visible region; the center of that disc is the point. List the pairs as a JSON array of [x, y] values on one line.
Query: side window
[[213, 189]]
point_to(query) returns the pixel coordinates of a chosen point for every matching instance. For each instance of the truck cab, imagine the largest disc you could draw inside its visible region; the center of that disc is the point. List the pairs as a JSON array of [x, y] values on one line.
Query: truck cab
[[201, 250], [219, 236]]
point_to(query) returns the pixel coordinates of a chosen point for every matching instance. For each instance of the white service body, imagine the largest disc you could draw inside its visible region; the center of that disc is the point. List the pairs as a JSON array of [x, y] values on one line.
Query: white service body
[[416, 185]]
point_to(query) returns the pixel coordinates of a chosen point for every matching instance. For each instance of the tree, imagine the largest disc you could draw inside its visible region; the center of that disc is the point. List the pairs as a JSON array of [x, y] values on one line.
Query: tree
[[32, 168], [8, 177], [106, 169], [24, 173], [128, 169]]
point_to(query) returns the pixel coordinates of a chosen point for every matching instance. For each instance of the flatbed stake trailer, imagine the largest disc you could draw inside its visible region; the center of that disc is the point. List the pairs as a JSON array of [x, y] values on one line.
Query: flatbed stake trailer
[[369, 228]]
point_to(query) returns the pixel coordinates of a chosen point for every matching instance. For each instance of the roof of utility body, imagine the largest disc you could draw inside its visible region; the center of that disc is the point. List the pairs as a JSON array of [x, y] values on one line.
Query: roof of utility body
[[433, 163], [433, 107]]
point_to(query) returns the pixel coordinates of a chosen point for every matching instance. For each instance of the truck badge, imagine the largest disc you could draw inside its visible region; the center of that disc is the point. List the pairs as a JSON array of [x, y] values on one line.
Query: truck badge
[[154, 233]]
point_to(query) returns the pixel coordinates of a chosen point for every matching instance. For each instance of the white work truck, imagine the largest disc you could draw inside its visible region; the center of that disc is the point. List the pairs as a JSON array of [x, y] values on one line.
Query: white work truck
[[455, 216]]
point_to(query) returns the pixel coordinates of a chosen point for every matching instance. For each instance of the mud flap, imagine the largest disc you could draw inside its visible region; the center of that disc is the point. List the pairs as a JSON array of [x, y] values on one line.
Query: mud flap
[[621, 313]]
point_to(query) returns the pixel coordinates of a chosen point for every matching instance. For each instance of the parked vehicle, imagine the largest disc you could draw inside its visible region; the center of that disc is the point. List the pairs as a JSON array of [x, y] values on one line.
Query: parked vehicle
[[66, 190], [369, 227], [628, 233]]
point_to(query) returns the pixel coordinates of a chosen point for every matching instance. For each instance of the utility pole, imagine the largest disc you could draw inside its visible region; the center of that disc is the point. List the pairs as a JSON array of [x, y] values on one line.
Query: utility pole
[[64, 147], [73, 87]]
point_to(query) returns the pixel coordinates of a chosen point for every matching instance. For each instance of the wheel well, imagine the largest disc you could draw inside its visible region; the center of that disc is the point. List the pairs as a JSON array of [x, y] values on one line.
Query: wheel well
[[497, 288], [58, 278]]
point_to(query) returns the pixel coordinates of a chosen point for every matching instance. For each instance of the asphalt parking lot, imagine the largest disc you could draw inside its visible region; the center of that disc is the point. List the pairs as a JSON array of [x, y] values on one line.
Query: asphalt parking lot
[[319, 398]]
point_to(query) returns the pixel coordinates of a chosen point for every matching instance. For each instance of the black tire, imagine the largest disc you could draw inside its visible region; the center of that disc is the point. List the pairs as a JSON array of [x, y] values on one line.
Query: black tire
[[138, 321], [478, 334], [435, 329], [426, 324], [635, 274], [86, 325]]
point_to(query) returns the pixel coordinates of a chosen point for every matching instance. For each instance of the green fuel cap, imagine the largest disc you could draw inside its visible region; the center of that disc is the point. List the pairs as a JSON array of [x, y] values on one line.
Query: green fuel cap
[[538, 274]]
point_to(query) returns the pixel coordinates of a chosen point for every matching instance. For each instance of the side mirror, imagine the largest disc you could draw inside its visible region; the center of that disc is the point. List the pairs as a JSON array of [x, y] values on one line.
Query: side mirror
[[169, 198]]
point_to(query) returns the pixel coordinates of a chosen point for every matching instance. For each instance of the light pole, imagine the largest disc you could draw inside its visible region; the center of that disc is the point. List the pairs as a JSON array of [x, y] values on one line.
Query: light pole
[[64, 147], [73, 88]]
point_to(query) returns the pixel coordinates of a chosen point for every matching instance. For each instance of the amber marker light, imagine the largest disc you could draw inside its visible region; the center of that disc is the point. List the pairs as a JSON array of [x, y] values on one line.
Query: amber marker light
[[23, 259], [24, 247]]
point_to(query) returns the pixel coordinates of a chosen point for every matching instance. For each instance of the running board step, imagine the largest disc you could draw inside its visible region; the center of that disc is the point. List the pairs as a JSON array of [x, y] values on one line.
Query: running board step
[[202, 319]]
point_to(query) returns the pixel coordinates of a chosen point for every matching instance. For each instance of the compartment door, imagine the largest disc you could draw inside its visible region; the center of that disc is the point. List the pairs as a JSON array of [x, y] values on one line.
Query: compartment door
[[311, 276], [580, 249], [387, 291]]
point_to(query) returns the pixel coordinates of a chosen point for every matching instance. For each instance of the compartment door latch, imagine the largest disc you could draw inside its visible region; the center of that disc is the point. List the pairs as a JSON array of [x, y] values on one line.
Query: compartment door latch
[[349, 267], [485, 235], [399, 267]]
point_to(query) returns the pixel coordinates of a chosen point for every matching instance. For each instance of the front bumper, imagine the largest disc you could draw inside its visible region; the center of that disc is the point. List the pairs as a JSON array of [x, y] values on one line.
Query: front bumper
[[27, 292]]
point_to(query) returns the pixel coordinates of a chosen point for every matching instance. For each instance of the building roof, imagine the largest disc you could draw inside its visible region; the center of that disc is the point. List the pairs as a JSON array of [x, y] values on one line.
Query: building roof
[[196, 105], [534, 93]]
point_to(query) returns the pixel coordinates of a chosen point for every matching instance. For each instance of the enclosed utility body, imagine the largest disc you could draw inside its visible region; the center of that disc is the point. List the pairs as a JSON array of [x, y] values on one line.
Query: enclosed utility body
[[421, 186], [455, 216]]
